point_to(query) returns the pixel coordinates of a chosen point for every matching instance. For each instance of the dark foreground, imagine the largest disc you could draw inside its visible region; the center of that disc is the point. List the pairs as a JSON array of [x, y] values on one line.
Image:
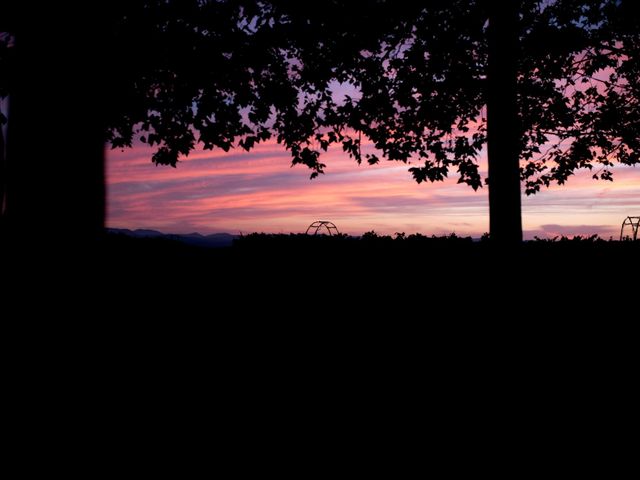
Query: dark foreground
[[316, 298], [314, 263], [274, 273], [278, 277], [316, 327]]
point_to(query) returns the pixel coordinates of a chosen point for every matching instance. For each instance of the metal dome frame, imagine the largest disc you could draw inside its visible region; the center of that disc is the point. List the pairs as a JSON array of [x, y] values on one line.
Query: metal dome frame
[[634, 223], [317, 225]]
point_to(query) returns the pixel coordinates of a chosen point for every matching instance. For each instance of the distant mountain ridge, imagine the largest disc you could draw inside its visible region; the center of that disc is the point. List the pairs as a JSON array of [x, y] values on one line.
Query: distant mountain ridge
[[215, 240]]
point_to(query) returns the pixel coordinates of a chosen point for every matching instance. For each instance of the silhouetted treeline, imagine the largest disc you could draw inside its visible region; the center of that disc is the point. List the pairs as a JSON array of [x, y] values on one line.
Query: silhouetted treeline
[[451, 256]]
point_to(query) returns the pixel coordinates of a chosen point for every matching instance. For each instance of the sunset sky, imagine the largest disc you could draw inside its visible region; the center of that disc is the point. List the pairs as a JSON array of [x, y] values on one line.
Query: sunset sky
[[240, 192]]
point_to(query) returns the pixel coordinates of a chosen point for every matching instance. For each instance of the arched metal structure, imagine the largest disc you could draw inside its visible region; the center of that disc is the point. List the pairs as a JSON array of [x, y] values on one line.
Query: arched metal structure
[[634, 223], [320, 226]]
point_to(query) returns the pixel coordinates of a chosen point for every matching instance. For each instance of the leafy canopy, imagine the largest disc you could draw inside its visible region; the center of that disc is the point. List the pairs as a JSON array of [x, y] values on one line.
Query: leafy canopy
[[235, 73]]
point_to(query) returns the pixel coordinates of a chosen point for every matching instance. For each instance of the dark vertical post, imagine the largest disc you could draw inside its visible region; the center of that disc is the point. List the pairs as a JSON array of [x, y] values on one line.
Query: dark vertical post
[[505, 210], [55, 144], [3, 178]]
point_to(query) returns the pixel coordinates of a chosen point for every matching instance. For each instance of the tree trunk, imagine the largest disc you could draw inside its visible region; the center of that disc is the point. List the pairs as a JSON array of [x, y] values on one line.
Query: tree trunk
[[55, 141], [505, 211], [3, 178]]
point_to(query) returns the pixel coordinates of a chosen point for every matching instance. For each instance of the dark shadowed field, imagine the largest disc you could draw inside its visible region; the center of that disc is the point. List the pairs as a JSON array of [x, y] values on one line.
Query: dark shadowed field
[[417, 276], [277, 320], [271, 277]]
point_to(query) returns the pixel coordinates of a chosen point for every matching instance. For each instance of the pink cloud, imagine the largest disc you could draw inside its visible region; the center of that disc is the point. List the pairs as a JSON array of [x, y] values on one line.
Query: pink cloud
[[258, 191]]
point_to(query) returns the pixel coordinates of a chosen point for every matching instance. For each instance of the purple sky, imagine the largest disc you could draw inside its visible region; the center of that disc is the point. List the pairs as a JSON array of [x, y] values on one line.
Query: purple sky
[[258, 191]]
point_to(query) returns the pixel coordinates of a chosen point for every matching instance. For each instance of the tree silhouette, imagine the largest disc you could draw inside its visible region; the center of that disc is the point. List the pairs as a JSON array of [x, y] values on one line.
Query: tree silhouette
[[5, 41], [56, 77], [548, 86]]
